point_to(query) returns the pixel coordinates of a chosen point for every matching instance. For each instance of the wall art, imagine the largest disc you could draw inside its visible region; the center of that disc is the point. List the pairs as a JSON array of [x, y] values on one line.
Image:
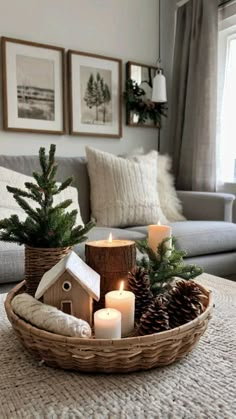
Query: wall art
[[33, 87], [95, 95]]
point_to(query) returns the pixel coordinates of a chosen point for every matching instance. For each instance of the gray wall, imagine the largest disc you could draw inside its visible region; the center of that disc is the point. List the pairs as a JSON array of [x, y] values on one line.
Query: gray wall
[[126, 29]]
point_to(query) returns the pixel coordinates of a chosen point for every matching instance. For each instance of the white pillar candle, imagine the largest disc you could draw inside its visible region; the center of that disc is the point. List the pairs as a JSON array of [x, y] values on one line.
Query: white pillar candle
[[124, 301], [156, 233], [107, 324]]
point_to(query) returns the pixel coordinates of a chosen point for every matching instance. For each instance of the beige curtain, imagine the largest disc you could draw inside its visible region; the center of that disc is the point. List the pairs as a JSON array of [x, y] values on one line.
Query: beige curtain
[[194, 94]]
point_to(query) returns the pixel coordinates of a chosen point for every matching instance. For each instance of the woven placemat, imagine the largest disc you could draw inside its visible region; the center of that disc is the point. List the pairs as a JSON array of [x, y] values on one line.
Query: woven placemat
[[202, 386]]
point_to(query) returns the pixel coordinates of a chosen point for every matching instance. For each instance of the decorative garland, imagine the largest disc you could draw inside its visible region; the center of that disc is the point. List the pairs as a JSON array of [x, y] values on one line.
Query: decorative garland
[[145, 109]]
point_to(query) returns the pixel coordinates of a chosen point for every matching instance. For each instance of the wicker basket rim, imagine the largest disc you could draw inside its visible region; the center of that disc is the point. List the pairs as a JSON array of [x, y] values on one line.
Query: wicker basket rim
[[46, 249], [148, 339]]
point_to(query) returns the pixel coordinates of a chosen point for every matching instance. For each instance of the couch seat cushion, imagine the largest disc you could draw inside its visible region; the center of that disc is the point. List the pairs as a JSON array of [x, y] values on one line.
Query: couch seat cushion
[[12, 255], [201, 237]]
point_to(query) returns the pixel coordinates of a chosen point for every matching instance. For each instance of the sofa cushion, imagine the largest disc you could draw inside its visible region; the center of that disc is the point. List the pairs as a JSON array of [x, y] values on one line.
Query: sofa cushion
[[122, 191], [18, 180], [67, 166], [12, 255], [170, 204], [201, 237], [11, 262]]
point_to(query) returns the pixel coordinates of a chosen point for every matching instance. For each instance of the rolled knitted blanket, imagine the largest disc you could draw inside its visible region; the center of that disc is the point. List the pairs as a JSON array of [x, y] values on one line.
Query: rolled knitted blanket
[[49, 318]]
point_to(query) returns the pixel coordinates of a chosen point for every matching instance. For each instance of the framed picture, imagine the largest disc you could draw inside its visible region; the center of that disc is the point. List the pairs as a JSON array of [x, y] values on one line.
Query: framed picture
[[33, 87], [95, 95]]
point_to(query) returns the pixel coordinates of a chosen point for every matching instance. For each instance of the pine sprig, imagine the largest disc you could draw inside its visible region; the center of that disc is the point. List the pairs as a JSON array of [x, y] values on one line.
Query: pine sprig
[[165, 265], [46, 225]]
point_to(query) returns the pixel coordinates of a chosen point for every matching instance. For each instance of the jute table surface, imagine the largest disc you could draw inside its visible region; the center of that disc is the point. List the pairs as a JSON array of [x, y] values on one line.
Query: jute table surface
[[202, 386]]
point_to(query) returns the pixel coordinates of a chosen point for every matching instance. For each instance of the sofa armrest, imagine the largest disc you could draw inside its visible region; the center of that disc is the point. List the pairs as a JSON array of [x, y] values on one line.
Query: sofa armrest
[[207, 205], [234, 211]]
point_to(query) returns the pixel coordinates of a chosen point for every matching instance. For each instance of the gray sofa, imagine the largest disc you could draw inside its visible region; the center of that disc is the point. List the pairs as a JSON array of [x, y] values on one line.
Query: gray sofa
[[209, 236]]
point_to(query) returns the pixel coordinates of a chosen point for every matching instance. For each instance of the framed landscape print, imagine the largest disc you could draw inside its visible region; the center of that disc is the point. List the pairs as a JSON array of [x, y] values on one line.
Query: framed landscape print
[[95, 95], [33, 87]]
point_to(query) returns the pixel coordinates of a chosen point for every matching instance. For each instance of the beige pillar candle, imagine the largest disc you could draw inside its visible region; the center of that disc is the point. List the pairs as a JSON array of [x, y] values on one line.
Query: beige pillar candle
[[124, 301], [107, 324], [156, 233]]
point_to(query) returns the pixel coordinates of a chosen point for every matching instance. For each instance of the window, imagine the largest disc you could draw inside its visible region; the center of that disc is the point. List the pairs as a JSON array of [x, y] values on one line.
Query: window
[[226, 101]]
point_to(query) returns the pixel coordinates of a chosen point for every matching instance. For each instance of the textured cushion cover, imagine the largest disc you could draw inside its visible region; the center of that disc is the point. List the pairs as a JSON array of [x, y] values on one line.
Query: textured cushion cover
[[170, 204], [202, 237], [15, 179], [122, 191]]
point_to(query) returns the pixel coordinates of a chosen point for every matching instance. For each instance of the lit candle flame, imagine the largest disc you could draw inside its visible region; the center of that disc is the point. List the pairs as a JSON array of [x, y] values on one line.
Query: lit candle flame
[[121, 286], [110, 238], [158, 223]]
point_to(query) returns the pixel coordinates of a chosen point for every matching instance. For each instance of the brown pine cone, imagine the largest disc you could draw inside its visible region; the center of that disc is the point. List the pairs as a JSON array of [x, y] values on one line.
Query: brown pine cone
[[156, 319], [186, 302], [139, 284]]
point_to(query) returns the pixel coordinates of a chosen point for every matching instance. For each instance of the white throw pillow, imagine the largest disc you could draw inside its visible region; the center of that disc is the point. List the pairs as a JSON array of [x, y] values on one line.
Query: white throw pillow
[[123, 192], [169, 201], [17, 180]]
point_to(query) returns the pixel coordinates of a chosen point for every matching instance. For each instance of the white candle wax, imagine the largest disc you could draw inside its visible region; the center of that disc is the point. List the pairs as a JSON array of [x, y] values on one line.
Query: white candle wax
[[124, 301], [156, 233], [107, 324]]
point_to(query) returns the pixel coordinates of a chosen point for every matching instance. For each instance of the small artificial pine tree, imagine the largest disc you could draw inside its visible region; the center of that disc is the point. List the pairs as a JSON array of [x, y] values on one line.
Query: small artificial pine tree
[[163, 267], [46, 226]]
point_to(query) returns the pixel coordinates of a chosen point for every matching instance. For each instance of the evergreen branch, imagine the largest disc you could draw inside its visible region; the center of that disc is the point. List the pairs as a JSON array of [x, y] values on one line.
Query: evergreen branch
[[51, 159], [163, 267], [53, 173], [26, 207], [43, 160], [65, 184], [19, 192], [62, 205], [35, 191], [39, 180]]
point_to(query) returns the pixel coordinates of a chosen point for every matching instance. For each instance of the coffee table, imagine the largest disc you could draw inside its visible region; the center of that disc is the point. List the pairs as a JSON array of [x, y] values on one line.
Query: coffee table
[[200, 386]]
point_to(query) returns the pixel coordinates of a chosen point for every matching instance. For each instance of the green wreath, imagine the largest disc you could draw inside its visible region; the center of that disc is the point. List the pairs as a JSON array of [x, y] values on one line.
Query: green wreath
[[145, 109]]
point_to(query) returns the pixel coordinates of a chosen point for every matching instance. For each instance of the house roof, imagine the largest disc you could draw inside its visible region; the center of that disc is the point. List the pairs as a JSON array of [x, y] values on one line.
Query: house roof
[[79, 270]]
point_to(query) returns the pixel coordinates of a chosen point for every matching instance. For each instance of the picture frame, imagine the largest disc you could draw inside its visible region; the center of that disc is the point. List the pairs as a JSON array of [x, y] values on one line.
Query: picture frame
[[95, 95], [149, 114], [33, 87]]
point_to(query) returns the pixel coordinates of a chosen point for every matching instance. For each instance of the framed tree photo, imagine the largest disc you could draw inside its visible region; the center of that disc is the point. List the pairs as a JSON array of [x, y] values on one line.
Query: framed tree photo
[[33, 87], [95, 95]]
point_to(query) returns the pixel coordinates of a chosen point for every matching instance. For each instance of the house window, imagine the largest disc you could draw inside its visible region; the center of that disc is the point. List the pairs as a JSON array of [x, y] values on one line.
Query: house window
[[226, 101], [66, 286], [66, 307]]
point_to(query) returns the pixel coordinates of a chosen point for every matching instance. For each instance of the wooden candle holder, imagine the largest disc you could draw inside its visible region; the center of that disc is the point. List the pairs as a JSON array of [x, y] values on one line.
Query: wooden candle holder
[[112, 261]]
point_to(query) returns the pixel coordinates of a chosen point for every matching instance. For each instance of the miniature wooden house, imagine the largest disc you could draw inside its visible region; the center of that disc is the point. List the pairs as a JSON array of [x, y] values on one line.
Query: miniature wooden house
[[71, 286]]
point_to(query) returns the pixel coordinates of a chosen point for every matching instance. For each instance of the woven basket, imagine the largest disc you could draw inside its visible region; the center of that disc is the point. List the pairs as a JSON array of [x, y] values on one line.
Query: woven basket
[[38, 261], [104, 355]]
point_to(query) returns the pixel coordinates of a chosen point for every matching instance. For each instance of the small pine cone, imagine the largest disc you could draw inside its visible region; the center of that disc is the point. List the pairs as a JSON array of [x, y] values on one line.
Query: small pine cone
[[155, 320], [186, 302], [139, 284]]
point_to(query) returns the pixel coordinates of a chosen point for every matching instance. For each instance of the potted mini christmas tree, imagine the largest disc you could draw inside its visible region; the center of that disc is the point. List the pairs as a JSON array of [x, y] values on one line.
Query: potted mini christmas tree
[[49, 231]]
